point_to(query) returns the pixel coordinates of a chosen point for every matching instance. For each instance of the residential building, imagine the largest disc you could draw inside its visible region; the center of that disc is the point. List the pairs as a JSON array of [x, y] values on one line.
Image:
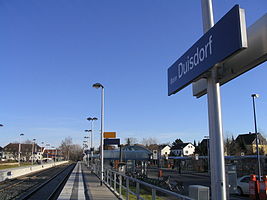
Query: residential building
[[11, 151], [165, 151], [247, 143], [183, 149], [1, 153]]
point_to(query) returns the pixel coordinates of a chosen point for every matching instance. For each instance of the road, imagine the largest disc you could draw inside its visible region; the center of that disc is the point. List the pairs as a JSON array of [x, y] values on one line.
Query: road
[[188, 179]]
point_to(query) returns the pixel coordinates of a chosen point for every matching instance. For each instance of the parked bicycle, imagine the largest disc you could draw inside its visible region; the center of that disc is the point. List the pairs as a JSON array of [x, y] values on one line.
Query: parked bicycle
[[178, 187]]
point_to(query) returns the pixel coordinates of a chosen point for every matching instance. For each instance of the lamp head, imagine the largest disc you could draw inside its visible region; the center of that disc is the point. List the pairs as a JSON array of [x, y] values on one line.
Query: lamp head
[[21, 134], [255, 95], [1, 125], [98, 85], [95, 118]]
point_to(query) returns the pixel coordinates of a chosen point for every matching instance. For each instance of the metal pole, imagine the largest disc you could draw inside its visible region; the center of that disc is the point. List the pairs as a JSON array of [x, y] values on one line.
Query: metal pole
[[208, 152], [42, 149], [257, 137], [88, 151], [19, 148], [218, 183], [91, 150], [32, 151], [102, 130]]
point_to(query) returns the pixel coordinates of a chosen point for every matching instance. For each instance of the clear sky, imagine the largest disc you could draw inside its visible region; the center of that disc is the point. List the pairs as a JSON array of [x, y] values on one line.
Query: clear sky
[[51, 52]]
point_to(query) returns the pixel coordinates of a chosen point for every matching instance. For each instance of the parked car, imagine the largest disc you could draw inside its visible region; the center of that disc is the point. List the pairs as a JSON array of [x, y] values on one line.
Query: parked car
[[243, 185]]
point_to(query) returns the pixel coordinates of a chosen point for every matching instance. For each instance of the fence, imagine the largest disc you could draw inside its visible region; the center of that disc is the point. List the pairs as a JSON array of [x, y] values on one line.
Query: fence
[[127, 188]]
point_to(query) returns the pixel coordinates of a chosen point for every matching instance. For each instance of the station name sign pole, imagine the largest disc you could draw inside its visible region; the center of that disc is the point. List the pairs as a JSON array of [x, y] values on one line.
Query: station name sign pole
[[217, 163], [219, 42]]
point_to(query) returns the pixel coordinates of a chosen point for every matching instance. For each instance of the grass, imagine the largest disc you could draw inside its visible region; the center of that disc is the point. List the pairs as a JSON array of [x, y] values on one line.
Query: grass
[[3, 166], [143, 193]]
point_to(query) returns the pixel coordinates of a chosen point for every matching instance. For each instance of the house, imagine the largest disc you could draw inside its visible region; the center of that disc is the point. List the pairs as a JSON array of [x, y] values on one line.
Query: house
[[11, 151], [1, 153], [183, 149], [247, 143], [165, 151]]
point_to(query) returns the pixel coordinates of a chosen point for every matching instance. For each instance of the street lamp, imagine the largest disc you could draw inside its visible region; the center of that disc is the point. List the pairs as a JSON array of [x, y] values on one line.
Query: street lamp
[[54, 151], [92, 119], [42, 150], [47, 152], [97, 86], [33, 149], [208, 151], [20, 146], [257, 135], [87, 152]]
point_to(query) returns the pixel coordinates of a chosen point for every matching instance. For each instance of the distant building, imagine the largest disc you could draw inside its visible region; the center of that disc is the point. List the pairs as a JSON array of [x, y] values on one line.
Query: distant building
[[11, 151], [183, 149], [165, 151], [53, 154], [1, 153], [247, 143]]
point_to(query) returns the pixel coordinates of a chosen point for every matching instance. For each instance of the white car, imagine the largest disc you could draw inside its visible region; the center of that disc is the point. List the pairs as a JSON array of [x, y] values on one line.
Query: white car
[[243, 185]]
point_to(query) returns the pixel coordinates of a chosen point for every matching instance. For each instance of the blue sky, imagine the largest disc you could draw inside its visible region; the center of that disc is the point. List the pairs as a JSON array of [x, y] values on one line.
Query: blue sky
[[51, 53]]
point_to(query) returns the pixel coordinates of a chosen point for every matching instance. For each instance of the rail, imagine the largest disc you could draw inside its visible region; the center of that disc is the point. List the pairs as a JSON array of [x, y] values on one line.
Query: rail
[[124, 186], [57, 187]]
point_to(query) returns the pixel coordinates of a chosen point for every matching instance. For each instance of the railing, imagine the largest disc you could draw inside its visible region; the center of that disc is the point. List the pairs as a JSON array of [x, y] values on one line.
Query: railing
[[124, 187]]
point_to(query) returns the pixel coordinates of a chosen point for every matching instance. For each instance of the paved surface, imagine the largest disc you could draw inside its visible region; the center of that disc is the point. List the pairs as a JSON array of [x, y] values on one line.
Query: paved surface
[[84, 185], [74, 188], [189, 179], [93, 188]]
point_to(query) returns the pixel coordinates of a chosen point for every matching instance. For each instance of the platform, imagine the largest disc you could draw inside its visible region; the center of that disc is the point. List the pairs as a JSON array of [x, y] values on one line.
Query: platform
[[84, 185]]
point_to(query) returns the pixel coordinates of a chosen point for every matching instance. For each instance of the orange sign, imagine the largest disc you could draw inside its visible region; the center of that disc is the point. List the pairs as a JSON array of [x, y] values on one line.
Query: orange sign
[[109, 134]]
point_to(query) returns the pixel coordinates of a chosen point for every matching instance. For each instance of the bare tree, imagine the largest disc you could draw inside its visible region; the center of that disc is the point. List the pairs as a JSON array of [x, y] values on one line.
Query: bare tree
[[76, 152], [149, 141], [65, 147], [71, 151], [131, 141], [28, 141]]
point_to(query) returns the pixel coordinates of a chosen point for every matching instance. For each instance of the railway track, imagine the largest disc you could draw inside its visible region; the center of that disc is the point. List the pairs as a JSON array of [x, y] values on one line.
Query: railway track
[[46, 184]]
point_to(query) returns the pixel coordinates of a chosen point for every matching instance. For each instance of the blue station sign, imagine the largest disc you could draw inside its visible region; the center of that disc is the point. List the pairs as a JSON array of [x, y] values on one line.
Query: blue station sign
[[113, 141], [224, 39]]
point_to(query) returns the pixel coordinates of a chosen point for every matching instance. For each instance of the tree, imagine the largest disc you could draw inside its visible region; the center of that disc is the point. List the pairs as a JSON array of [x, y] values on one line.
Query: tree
[[177, 142], [71, 151], [149, 141], [28, 141], [131, 141]]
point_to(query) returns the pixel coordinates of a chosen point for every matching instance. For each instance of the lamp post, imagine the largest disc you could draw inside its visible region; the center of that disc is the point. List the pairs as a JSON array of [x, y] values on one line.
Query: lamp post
[[97, 86], [257, 135], [42, 149], [53, 149], [56, 156], [208, 151], [33, 149], [20, 146], [92, 119], [47, 152], [87, 152]]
